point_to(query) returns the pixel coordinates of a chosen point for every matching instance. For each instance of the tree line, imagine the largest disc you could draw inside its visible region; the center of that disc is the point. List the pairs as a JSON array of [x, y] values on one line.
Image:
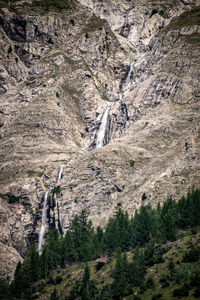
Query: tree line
[[143, 232]]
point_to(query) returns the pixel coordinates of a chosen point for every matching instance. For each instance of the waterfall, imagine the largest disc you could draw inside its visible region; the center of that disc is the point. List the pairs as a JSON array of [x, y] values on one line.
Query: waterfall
[[129, 74], [43, 226], [102, 129], [60, 173]]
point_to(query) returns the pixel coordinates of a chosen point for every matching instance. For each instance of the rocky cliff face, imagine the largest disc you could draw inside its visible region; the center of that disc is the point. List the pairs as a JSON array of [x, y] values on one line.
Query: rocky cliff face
[[62, 69]]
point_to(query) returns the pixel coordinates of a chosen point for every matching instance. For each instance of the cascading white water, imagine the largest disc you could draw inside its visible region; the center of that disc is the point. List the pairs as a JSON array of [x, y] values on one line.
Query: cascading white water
[[60, 172], [102, 129], [129, 75], [43, 226]]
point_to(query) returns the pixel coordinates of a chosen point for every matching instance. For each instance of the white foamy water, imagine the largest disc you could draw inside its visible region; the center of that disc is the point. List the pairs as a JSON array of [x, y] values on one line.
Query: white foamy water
[[102, 129], [129, 75], [43, 226], [60, 172]]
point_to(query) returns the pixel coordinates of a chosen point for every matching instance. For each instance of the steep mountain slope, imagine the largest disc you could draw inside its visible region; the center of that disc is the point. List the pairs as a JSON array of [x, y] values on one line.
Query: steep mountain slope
[[164, 279], [62, 68]]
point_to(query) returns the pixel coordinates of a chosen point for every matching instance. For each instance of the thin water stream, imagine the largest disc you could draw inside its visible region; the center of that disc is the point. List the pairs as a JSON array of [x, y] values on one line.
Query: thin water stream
[[43, 226]]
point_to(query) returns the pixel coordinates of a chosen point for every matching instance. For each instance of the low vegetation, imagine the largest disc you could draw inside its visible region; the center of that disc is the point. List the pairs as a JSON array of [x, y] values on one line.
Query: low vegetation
[[32, 173], [188, 18], [153, 255], [54, 4]]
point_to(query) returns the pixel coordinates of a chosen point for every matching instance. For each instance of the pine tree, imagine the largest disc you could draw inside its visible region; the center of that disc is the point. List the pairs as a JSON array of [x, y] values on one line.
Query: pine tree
[[85, 295], [54, 295], [34, 264], [86, 277], [85, 284], [4, 289], [19, 283], [68, 252], [137, 268], [121, 276], [83, 232], [168, 218]]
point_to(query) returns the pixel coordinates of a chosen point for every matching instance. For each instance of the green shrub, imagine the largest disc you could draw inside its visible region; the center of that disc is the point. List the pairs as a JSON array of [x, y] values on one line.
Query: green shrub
[[58, 279], [9, 49], [34, 173], [72, 22], [53, 4], [144, 197], [154, 11], [195, 277], [171, 265], [54, 295], [4, 288], [99, 265], [181, 292], [56, 190], [12, 198], [164, 280], [156, 296], [197, 292], [150, 283], [50, 280], [132, 163], [193, 255]]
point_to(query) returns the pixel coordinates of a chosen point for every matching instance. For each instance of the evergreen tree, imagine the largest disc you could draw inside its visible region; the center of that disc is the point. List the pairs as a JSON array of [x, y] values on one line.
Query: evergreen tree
[[144, 225], [86, 277], [54, 295], [85, 295], [99, 234], [183, 213], [137, 269], [68, 252], [45, 262], [168, 219], [121, 286], [34, 264], [111, 236], [51, 256], [19, 283], [83, 232], [75, 291], [4, 289], [194, 207]]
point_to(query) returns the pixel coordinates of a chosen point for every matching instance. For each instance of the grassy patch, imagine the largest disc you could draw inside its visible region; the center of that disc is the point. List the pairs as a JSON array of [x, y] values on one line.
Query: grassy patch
[[70, 90], [193, 39], [103, 97], [52, 5], [2, 196], [160, 280], [163, 14], [93, 24], [32, 173], [132, 50], [3, 4], [186, 19]]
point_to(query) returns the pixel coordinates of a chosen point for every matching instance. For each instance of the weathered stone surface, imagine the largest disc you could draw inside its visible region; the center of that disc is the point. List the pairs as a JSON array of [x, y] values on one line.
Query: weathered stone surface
[[59, 72]]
